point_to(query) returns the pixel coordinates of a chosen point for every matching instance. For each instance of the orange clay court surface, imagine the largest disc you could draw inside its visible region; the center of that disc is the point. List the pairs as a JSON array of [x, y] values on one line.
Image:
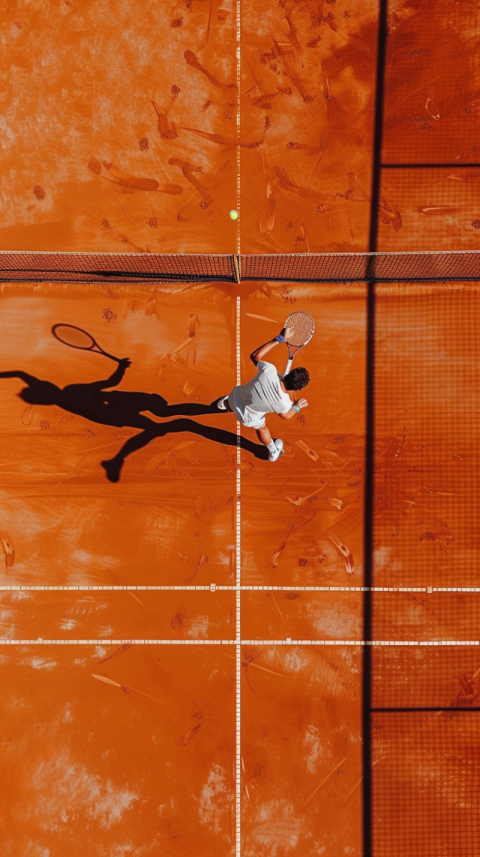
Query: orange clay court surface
[[182, 650]]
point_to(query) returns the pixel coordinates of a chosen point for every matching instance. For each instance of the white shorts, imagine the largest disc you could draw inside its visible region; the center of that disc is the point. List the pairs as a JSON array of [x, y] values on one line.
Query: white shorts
[[249, 419]]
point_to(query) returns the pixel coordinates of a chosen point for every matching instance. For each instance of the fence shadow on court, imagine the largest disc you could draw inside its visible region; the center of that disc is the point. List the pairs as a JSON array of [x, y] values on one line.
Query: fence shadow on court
[[122, 408]]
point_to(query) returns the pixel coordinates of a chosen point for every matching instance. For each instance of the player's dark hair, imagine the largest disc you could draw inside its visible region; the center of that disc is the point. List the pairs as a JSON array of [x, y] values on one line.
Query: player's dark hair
[[297, 379]]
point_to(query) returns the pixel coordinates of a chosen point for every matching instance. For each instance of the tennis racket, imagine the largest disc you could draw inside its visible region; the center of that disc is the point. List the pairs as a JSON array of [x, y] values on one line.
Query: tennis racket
[[302, 329], [75, 337]]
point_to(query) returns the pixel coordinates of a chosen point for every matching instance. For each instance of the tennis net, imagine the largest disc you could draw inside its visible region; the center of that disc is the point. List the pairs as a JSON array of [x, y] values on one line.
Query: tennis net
[[32, 266]]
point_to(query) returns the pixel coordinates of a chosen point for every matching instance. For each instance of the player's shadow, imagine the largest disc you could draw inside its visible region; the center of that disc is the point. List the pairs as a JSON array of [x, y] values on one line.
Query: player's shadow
[[95, 402]]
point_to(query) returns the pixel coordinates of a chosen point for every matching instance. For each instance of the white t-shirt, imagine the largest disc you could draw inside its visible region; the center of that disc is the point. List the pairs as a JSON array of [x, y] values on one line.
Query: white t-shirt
[[263, 394]]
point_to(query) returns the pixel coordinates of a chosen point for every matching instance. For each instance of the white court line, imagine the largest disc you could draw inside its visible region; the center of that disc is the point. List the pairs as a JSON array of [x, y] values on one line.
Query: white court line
[[238, 146], [238, 580], [40, 641], [212, 587]]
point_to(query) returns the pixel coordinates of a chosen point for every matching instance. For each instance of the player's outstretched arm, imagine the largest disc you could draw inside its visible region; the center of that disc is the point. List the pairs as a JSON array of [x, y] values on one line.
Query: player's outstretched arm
[[115, 378], [24, 376], [260, 352]]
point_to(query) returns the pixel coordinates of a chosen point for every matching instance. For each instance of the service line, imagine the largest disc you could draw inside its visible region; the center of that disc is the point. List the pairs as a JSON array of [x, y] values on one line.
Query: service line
[[40, 641], [213, 587]]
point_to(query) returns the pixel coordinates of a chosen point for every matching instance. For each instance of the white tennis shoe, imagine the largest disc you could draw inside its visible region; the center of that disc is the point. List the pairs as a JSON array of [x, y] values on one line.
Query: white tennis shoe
[[221, 404], [278, 452]]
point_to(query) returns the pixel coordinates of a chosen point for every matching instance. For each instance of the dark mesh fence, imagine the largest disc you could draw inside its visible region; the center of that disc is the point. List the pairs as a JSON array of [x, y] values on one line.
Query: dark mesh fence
[[409, 678], [314, 267], [425, 699], [426, 781]]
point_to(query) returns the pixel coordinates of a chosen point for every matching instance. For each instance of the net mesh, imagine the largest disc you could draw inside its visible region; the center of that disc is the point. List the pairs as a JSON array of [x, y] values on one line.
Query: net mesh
[[316, 268], [114, 267], [359, 267]]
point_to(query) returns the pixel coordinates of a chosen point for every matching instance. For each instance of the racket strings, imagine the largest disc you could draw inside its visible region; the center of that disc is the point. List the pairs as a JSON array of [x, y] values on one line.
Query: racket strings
[[303, 327]]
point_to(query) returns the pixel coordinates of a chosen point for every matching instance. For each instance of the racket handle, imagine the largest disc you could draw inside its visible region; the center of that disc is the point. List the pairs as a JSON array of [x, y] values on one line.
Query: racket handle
[[110, 356], [287, 368]]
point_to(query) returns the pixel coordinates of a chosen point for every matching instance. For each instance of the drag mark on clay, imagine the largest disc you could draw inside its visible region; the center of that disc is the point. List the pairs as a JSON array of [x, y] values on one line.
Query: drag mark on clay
[[154, 463], [27, 415], [390, 215], [202, 560], [286, 295], [189, 734], [257, 666], [192, 60], [263, 101], [324, 781], [182, 345], [282, 617], [344, 551], [276, 556], [364, 197], [432, 108], [95, 166], [151, 306], [267, 218], [223, 140], [299, 84], [166, 131], [468, 177], [173, 469], [137, 599], [439, 209], [262, 318], [126, 688], [286, 183], [337, 504], [361, 778], [202, 717], [307, 449], [188, 170], [140, 183], [80, 466], [300, 500], [193, 322], [120, 651], [290, 32], [127, 214], [8, 549]]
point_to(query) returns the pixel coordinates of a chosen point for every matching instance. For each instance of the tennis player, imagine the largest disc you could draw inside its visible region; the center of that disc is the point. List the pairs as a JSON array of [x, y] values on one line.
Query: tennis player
[[267, 393]]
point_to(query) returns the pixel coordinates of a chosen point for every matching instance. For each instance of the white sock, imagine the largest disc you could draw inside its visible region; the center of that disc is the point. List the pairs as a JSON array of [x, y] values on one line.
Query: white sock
[[271, 446]]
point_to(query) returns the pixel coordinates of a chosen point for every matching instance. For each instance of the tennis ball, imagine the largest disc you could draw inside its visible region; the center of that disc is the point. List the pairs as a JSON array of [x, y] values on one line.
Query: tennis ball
[[233, 215]]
